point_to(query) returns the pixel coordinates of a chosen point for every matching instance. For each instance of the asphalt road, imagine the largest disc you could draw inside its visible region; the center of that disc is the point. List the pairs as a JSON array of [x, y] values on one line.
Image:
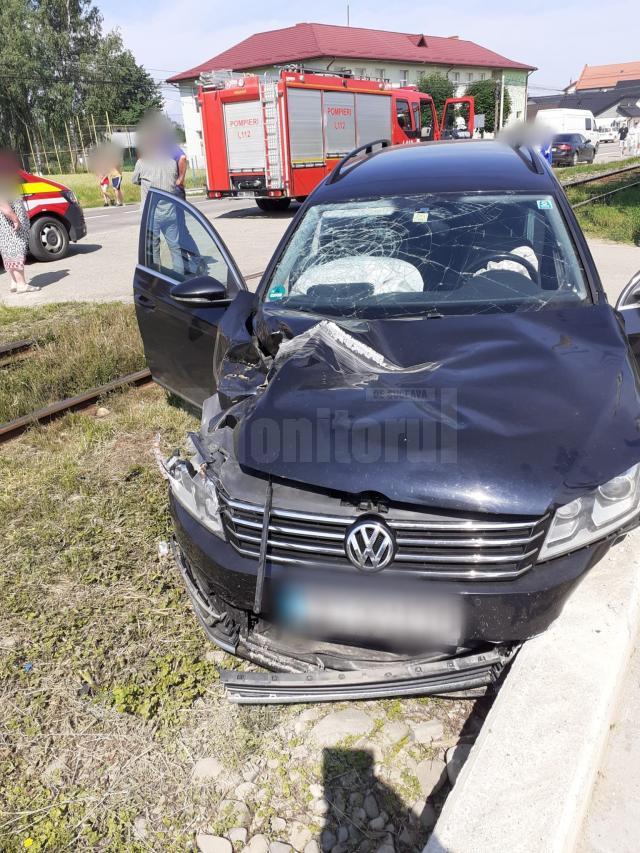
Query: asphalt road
[[100, 267]]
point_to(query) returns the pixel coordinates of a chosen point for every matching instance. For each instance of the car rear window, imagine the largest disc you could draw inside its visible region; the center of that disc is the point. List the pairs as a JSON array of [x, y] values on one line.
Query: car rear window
[[446, 253], [566, 137]]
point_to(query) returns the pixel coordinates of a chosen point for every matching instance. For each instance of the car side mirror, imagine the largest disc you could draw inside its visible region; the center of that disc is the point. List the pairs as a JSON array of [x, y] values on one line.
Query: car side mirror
[[200, 290], [630, 296]]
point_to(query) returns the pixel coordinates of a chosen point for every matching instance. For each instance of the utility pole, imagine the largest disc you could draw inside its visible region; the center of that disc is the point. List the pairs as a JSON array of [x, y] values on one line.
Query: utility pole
[[84, 153], [44, 150], [347, 14], [55, 148], [501, 100], [73, 163], [33, 153]]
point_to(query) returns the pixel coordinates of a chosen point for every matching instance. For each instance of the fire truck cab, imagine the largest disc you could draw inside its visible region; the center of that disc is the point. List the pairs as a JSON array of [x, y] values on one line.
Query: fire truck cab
[[277, 138]]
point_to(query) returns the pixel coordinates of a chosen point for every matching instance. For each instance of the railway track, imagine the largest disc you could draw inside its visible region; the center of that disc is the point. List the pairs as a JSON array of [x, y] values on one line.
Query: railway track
[[14, 428], [580, 180]]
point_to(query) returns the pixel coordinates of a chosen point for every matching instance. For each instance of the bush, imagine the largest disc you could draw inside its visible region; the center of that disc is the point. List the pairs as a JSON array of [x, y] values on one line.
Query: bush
[[439, 87]]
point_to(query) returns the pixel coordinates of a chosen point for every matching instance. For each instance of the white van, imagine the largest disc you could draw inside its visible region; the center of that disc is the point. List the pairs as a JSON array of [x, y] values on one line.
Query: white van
[[570, 121]]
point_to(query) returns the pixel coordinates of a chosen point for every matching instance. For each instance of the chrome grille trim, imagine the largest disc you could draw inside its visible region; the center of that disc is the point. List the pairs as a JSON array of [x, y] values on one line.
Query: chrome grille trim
[[469, 549]]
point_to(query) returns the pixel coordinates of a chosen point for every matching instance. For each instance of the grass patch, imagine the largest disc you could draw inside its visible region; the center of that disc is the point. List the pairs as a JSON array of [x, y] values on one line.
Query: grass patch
[[86, 187], [106, 694], [79, 346], [616, 218]]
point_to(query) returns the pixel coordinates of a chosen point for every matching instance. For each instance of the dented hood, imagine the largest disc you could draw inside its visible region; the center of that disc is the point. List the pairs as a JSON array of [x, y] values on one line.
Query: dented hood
[[503, 413]]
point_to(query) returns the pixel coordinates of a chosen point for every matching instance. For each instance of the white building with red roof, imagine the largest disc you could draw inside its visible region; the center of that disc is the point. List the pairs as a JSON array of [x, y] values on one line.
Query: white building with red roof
[[397, 57]]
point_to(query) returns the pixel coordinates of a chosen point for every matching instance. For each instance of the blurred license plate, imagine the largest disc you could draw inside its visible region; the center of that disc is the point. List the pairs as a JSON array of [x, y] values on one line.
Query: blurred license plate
[[409, 618]]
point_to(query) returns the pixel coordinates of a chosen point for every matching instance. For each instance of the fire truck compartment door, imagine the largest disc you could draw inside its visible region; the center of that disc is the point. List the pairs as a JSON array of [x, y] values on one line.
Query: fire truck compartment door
[[244, 130], [339, 123], [305, 127], [374, 118]]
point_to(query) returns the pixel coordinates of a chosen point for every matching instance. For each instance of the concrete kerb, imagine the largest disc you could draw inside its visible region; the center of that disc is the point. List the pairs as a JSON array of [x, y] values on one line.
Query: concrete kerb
[[528, 780]]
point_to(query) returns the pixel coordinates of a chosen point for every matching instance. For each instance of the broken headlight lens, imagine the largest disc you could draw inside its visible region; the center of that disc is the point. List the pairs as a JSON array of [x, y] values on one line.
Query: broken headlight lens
[[593, 516], [195, 491]]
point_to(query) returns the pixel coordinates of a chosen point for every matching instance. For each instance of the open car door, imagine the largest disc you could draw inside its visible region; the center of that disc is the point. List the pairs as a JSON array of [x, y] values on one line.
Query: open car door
[[429, 129], [458, 118], [628, 305], [184, 281]]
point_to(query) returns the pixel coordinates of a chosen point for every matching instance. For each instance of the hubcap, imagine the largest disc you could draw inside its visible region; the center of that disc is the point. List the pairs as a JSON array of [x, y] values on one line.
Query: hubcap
[[51, 238]]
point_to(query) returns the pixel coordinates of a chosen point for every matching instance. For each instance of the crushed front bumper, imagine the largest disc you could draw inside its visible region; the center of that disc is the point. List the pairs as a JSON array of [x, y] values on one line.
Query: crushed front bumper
[[304, 678], [409, 678]]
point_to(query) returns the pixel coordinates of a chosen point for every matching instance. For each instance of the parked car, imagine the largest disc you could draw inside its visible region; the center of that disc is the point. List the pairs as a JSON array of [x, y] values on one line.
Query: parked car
[[416, 437], [55, 216], [569, 149]]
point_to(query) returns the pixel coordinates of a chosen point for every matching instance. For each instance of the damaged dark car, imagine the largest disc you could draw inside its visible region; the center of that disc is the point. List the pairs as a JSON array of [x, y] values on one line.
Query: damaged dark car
[[417, 435]]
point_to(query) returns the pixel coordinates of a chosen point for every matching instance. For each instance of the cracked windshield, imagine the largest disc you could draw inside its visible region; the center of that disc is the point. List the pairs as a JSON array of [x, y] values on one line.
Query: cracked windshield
[[430, 254]]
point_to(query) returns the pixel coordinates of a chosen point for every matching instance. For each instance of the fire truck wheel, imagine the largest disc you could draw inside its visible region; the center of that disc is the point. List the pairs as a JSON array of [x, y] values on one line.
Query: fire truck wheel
[[271, 205], [48, 239]]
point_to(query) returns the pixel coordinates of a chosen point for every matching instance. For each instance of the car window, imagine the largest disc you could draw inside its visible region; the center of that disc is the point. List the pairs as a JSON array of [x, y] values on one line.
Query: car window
[[450, 253], [179, 246], [403, 114]]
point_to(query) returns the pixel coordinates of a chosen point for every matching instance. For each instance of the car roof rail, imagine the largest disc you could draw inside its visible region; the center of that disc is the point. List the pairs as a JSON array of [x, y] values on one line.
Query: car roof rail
[[367, 148], [529, 157]]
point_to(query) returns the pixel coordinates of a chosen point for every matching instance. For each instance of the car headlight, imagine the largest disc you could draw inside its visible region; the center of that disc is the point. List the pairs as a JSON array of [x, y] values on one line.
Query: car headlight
[[593, 516], [195, 491], [70, 196]]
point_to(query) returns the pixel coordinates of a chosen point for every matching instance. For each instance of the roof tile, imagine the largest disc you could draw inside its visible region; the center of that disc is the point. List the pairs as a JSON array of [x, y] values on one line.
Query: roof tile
[[306, 41]]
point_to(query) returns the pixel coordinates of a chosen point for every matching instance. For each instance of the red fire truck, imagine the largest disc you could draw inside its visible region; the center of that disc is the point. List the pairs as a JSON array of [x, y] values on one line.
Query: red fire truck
[[277, 138]]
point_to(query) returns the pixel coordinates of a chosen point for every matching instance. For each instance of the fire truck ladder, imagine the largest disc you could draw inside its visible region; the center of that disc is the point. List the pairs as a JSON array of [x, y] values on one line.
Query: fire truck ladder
[[269, 100]]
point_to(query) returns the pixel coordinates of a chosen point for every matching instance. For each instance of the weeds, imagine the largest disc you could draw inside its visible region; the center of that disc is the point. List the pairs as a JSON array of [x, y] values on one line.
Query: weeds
[[79, 346], [616, 218]]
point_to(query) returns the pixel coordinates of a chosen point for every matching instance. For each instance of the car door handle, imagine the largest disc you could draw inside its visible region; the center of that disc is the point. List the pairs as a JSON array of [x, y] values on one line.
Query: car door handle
[[144, 302]]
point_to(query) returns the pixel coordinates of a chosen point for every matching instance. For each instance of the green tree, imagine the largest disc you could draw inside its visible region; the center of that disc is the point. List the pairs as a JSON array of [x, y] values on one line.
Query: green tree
[[484, 95], [56, 66], [439, 87]]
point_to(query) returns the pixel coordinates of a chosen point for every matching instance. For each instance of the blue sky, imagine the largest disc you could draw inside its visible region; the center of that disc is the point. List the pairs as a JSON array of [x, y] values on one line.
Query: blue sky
[[168, 36]]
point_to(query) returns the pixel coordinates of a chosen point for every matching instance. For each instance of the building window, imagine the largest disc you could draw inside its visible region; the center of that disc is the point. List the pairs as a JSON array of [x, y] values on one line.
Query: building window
[[469, 76], [380, 73], [361, 72], [456, 76], [404, 77], [483, 76]]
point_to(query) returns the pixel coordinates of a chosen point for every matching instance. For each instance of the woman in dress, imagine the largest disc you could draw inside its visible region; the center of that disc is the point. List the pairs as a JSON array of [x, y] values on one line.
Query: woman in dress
[[14, 226]]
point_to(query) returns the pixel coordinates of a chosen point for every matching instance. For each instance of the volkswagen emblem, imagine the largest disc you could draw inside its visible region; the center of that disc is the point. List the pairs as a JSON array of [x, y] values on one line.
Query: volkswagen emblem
[[370, 545]]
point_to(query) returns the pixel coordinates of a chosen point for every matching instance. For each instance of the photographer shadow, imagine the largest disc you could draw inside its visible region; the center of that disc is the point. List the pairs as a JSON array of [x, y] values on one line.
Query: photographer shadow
[[366, 814]]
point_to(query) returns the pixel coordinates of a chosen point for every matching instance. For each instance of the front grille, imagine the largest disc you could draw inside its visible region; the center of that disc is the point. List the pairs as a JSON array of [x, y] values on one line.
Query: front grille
[[428, 545]]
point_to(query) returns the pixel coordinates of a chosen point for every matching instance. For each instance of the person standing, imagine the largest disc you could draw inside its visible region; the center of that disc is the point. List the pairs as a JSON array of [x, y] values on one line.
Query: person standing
[[14, 226], [155, 169], [104, 189], [624, 132], [116, 182]]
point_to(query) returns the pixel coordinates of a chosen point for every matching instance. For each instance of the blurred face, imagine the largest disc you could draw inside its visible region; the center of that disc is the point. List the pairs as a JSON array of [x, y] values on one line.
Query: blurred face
[[9, 176], [155, 137]]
